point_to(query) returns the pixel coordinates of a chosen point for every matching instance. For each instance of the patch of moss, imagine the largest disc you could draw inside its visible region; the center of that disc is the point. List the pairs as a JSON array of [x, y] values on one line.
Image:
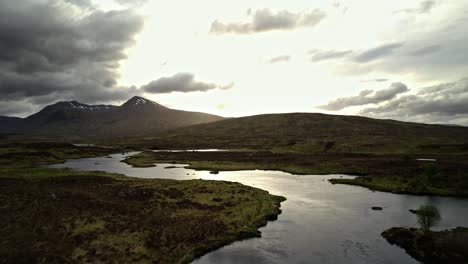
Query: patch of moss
[[60, 215]]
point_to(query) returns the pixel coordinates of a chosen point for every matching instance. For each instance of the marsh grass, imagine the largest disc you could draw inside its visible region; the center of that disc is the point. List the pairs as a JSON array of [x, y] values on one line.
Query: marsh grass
[[62, 216]]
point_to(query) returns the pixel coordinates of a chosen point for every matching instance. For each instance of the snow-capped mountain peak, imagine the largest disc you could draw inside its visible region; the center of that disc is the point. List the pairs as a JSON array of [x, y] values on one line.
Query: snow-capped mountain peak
[[140, 101]]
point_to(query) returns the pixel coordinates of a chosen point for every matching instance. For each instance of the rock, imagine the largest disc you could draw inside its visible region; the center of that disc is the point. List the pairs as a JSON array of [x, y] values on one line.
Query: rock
[[413, 211], [376, 208], [214, 172]]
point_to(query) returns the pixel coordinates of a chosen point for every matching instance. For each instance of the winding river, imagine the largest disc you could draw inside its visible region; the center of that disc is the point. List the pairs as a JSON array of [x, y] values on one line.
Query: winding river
[[320, 223]]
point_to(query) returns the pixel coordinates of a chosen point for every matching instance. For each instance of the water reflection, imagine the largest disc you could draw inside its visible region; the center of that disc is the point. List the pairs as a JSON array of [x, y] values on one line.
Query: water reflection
[[188, 150], [321, 222]]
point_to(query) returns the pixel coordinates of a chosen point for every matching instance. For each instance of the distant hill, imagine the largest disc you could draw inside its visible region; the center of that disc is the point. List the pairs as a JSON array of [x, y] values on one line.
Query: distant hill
[[136, 117], [310, 132]]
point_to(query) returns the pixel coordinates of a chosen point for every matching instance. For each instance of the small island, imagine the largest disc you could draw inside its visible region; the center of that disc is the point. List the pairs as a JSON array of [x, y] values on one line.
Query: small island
[[448, 246], [394, 173]]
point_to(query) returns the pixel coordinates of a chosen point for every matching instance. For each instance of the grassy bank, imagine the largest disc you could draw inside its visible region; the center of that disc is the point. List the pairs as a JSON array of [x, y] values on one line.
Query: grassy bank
[[63, 216], [447, 246], [302, 164], [417, 185], [390, 173], [40, 153], [431, 180]]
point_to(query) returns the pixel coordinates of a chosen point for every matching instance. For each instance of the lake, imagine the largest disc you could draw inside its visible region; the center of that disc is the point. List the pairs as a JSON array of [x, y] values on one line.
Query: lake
[[320, 223]]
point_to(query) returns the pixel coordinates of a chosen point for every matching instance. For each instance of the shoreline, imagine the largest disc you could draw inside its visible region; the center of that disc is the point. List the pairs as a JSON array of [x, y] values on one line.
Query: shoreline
[[391, 173], [92, 215]]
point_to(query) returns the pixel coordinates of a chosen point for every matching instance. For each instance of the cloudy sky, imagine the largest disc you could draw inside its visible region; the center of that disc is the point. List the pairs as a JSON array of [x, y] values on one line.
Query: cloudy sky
[[401, 59]]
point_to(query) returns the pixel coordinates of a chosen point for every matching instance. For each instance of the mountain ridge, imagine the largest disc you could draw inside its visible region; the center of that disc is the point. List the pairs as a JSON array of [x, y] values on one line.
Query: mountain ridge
[[316, 132], [71, 119], [148, 123]]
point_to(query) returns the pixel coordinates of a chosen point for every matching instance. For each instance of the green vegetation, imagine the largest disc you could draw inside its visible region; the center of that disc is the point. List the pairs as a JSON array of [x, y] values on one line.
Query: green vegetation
[[430, 180], [385, 152], [250, 160], [39, 153], [314, 134], [149, 158], [389, 173], [63, 216], [447, 246], [141, 160], [428, 216]]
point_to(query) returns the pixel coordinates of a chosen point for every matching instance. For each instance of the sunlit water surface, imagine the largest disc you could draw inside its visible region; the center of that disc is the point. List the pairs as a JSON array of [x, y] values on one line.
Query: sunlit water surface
[[320, 223]]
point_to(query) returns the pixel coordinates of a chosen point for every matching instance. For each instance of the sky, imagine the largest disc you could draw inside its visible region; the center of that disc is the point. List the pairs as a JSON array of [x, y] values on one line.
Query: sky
[[404, 60]]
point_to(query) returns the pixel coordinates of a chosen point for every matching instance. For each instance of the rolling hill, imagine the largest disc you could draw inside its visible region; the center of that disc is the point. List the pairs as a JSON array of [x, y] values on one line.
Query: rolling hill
[[310, 132]]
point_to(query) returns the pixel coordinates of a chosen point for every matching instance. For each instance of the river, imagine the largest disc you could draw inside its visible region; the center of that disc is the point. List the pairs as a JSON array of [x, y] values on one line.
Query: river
[[320, 223]]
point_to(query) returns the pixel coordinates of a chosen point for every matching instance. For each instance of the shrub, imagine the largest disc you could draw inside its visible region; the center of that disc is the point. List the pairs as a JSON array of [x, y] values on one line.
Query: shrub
[[428, 216]]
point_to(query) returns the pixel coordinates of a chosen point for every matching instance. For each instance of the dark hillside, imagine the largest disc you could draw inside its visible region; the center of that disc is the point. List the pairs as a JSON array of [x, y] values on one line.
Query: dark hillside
[[304, 132]]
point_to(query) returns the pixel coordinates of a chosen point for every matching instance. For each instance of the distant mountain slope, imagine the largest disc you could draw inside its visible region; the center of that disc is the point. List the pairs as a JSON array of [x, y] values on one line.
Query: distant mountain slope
[[309, 132], [10, 124], [137, 117]]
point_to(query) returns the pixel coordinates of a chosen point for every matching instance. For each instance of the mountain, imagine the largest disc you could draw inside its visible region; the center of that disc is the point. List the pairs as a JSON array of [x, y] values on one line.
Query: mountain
[[9, 125], [311, 132], [136, 117], [150, 124]]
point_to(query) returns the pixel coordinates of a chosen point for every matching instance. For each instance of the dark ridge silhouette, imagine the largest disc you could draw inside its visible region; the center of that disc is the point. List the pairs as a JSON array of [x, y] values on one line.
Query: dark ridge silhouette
[[136, 117]]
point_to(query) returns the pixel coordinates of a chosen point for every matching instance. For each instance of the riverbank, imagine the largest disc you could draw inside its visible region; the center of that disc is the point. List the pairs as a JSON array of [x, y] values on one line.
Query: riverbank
[[41, 153], [61, 215], [389, 173], [447, 246], [416, 185]]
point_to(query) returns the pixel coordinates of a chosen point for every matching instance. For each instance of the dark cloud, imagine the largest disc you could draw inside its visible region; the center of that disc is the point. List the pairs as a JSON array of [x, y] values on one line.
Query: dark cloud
[[266, 20], [366, 97], [444, 103], [426, 50], [424, 7], [56, 50], [181, 82], [430, 55], [282, 58], [445, 60], [377, 52], [317, 55], [441, 102]]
